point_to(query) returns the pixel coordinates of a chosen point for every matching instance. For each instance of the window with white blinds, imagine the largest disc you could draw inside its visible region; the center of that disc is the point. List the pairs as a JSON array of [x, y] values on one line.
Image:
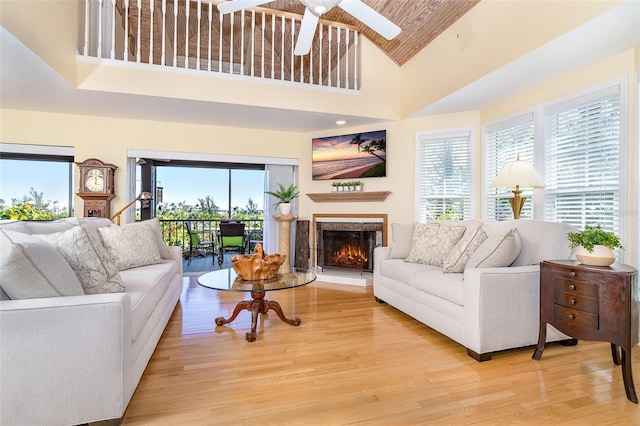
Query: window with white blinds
[[444, 175], [582, 160], [504, 141]]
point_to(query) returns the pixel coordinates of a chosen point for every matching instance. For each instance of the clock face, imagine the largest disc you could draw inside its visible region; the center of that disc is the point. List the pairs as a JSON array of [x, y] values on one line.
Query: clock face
[[94, 180]]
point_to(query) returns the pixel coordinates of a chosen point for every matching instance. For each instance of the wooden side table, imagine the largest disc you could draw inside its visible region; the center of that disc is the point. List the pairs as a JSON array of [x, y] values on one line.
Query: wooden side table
[[592, 303]]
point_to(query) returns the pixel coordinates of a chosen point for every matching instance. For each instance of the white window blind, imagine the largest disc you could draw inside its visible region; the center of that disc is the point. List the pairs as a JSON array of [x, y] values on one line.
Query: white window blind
[[582, 161], [444, 175], [504, 141]]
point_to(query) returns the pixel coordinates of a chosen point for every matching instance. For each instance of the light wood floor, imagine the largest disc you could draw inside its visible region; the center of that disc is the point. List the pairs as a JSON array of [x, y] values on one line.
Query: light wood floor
[[354, 361]]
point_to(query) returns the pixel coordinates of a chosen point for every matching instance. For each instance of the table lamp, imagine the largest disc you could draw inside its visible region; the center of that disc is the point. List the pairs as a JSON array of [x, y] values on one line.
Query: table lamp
[[144, 196], [517, 173]]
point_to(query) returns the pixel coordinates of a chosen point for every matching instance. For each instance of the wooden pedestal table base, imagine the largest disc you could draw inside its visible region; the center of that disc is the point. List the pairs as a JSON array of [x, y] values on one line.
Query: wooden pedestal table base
[[227, 280], [257, 306]]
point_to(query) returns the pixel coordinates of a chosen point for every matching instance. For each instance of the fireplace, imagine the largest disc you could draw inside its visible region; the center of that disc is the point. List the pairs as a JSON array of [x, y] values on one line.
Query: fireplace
[[347, 242]]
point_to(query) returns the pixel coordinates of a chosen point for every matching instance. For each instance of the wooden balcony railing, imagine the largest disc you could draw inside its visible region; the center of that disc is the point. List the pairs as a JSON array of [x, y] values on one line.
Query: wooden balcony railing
[[192, 34]]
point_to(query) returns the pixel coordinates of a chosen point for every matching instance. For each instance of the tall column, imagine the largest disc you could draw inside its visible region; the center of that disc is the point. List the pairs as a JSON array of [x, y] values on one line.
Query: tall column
[[284, 238]]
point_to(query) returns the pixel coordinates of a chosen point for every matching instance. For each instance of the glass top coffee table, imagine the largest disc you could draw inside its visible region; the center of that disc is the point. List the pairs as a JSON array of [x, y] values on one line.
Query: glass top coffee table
[[227, 280]]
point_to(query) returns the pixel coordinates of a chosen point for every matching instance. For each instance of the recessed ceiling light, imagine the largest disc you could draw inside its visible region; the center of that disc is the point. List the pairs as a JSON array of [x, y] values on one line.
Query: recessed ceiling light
[[341, 122]]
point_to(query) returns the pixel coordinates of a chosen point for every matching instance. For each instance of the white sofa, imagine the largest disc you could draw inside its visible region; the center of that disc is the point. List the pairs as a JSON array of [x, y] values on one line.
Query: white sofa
[[485, 309], [78, 358]]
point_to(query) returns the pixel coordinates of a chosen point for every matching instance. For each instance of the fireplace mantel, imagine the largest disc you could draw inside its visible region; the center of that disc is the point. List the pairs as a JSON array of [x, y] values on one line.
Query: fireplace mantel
[[340, 196]]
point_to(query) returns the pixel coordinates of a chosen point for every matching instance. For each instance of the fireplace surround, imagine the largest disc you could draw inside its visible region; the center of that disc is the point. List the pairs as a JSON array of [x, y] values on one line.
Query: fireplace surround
[[346, 241]]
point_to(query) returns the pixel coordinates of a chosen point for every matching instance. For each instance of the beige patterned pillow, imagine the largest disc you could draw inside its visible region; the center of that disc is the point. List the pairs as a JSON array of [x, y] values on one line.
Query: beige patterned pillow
[[130, 246], [433, 243], [497, 251], [89, 259], [457, 258]]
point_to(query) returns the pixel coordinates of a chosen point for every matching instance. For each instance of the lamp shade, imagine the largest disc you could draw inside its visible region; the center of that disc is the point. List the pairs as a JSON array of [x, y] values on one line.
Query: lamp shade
[[518, 173]]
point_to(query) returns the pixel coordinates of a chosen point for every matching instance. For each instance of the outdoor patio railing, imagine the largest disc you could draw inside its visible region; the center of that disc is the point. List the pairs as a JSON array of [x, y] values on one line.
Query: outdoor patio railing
[[175, 233]]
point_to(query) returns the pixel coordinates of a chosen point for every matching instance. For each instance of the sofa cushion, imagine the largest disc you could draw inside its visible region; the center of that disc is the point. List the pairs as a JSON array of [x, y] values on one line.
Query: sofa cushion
[[457, 258], [146, 285], [498, 250], [32, 268], [130, 246], [431, 243], [89, 259], [400, 270], [154, 226], [402, 236], [446, 286]]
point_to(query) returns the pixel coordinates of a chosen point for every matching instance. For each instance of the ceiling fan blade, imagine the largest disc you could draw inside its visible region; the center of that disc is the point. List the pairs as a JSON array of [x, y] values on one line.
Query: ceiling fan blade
[[306, 33], [237, 5], [370, 18]]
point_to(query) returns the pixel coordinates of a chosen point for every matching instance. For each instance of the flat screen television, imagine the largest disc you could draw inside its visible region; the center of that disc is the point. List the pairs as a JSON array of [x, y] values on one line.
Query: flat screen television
[[354, 156]]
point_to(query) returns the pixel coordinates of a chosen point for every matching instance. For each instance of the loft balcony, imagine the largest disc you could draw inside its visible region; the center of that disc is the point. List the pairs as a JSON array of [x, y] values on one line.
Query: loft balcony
[[255, 44]]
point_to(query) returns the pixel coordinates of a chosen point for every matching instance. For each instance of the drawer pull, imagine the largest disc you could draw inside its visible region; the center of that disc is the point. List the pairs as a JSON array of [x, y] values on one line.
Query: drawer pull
[[573, 273], [571, 316], [573, 301], [572, 287]]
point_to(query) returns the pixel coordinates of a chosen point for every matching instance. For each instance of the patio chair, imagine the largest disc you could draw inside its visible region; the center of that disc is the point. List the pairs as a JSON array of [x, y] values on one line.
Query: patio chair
[[232, 239], [198, 245]]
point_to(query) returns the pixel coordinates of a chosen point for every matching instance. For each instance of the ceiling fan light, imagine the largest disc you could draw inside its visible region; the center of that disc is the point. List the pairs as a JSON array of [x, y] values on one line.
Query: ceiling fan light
[[319, 7]]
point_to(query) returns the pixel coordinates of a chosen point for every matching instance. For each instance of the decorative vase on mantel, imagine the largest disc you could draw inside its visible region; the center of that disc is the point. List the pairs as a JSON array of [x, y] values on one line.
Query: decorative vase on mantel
[[600, 256]]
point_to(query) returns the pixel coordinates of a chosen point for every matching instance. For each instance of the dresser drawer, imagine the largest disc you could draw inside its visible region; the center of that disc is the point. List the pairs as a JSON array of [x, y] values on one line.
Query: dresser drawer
[[575, 318], [576, 301], [577, 287]]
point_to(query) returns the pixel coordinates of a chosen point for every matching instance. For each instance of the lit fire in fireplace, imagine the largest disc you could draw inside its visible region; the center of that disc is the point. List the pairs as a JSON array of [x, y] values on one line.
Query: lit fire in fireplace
[[349, 256]]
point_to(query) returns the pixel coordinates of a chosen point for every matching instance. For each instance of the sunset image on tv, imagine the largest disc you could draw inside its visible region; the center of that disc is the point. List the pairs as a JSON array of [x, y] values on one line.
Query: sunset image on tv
[[358, 155]]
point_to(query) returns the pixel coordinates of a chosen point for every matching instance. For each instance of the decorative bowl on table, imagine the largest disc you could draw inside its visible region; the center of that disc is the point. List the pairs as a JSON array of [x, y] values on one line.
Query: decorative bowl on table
[[258, 266]]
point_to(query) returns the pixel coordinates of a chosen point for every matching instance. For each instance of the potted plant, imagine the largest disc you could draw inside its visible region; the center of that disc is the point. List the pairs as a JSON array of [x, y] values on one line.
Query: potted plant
[[594, 246], [358, 185], [284, 197], [334, 186]]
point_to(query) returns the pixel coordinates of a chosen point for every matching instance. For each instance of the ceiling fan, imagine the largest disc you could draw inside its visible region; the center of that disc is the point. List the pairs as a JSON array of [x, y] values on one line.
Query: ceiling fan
[[316, 8]]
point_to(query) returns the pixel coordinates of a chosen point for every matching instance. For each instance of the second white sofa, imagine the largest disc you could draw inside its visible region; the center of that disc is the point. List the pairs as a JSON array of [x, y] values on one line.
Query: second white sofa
[[484, 308]]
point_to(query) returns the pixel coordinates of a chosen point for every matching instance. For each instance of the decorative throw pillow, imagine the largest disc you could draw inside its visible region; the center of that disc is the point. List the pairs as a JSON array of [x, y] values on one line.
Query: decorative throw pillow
[[432, 245], [89, 259], [402, 236], [31, 268], [422, 242], [457, 258], [154, 225], [497, 251], [130, 246]]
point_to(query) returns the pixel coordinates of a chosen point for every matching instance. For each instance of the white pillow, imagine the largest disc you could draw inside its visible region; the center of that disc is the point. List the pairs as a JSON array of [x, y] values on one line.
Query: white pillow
[[422, 242], [497, 251], [89, 259], [457, 258], [154, 225], [32, 268], [130, 246], [402, 236]]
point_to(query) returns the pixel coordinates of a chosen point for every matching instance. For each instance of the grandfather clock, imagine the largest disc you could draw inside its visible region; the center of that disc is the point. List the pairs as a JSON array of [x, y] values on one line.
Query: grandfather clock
[[96, 187]]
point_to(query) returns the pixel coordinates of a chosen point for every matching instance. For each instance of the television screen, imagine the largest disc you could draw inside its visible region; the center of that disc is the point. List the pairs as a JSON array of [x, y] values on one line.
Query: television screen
[[358, 155]]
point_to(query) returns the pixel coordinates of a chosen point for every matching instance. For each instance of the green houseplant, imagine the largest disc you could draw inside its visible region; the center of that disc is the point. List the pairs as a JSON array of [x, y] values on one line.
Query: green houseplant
[[594, 245], [284, 197]]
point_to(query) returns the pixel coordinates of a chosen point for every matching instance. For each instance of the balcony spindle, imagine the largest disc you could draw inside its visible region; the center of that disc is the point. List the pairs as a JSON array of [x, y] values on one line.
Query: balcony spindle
[[233, 19], [87, 16], [139, 6], [329, 65], [355, 60], [242, 42], [263, 22], [175, 33], [220, 44], [346, 60], [151, 10], [209, 59], [163, 56], [292, 71], [253, 39], [199, 17], [338, 58], [321, 28], [113, 29], [282, 32], [99, 53], [126, 31], [273, 46], [186, 33]]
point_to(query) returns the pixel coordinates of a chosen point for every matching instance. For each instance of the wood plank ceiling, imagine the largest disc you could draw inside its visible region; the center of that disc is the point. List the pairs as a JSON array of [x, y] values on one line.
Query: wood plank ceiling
[[421, 21]]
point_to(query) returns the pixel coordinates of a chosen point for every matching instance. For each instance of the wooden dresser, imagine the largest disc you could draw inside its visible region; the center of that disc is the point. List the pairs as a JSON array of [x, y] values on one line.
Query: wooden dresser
[[592, 303]]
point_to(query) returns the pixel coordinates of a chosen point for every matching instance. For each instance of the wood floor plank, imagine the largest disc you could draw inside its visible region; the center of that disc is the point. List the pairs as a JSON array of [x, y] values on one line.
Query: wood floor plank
[[354, 361]]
